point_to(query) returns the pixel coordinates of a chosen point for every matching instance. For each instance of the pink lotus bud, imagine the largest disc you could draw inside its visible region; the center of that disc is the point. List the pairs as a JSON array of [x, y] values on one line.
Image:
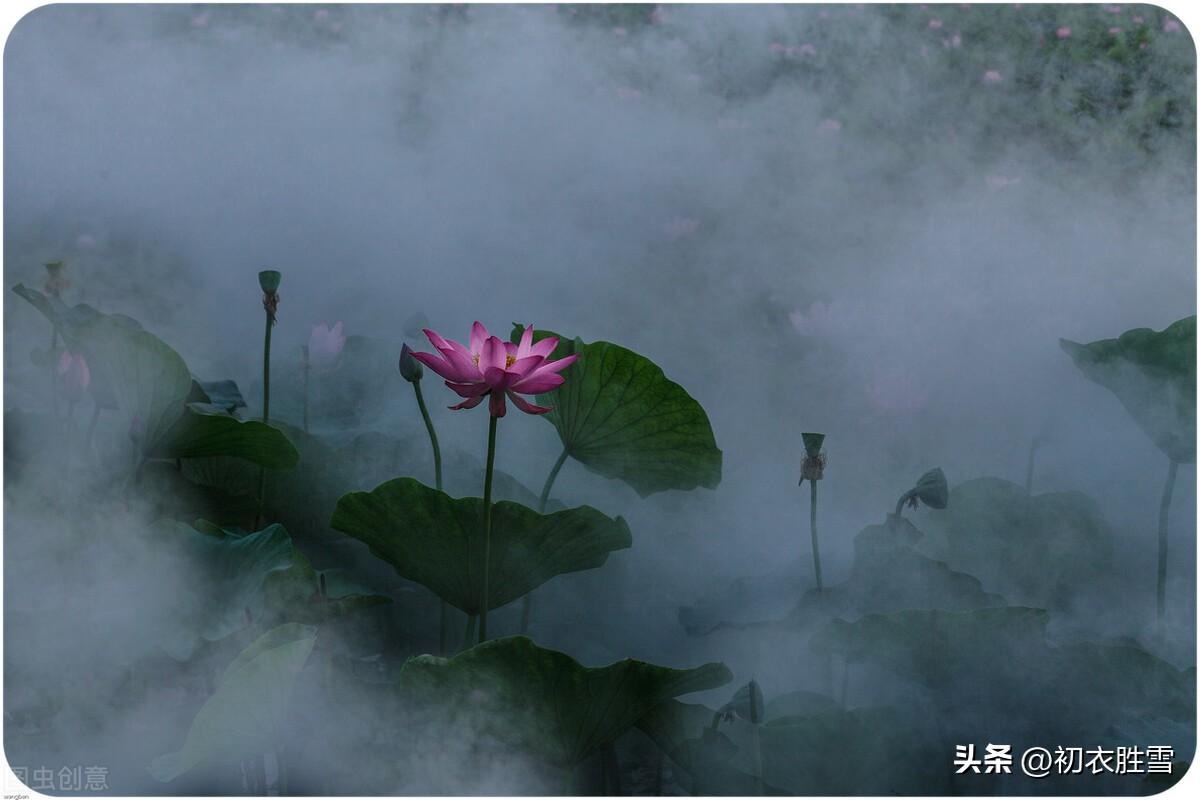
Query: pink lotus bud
[[73, 376], [325, 345], [1063, 33], [992, 76], [1171, 26]]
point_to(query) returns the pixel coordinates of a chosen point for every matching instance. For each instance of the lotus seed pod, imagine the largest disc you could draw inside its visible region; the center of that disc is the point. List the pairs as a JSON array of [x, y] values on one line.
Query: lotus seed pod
[[269, 279]]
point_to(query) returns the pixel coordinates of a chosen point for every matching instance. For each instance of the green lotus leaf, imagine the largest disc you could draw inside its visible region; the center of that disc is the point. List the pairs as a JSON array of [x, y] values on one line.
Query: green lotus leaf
[[747, 703], [542, 701], [205, 432], [303, 594], [224, 395], [808, 755], [621, 417], [1153, 374], [231, 568], [436, 540], [1048, 550], [247, 714], [149, 380]]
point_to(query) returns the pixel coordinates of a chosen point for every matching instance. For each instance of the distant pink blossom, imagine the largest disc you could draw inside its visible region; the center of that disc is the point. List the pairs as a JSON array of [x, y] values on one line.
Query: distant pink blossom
[[681, 227], [935, 24], [992, 76], [200, 21], [1139, 20], [894, 391], [1113, 9], [321, 14], [1063, 33], [658, 16], [325, 344], [1171, 26], [777, 47], [954, 41], [627, 93], [807, 49], [1114, 30], [619, 31], [496, 369], [73, 375], [831, 125]]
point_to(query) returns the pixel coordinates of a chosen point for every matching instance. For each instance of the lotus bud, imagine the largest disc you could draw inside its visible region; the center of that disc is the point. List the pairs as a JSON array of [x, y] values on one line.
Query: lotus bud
[[56, 280], [410, 369], [813, 467]]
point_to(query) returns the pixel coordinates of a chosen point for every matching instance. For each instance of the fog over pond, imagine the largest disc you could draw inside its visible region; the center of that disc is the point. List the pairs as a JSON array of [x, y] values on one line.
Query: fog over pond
[[849, 220]]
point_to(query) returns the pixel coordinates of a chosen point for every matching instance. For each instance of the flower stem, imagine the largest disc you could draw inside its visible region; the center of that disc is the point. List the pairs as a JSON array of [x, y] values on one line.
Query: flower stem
[[487, 528], [262, 473], [433, 440], [527, 601], [437, 477], [812, 524], [1163, 509], [904, 498]]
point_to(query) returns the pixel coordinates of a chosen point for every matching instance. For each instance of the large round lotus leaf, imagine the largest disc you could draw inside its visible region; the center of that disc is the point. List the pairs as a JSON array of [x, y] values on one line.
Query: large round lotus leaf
[[931, 489], [436, 540], [230, 568], [938, 647], [1045, 551], [247, 714], [542, 701], [1153, 374], [203, 431], [149, 380], [621, 417]]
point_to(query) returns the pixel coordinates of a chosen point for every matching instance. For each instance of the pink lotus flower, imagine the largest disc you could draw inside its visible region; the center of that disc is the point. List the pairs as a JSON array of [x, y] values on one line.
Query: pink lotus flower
[[992, 76], [494, 368], [73, 375], [1063, 33], [1114, 30], [325, 345], [658, 16], [1171, 26], [1139, 20], [935, 23]]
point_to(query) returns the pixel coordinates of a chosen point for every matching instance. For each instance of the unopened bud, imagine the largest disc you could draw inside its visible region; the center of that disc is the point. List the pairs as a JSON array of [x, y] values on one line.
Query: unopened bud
[[410, 369]]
